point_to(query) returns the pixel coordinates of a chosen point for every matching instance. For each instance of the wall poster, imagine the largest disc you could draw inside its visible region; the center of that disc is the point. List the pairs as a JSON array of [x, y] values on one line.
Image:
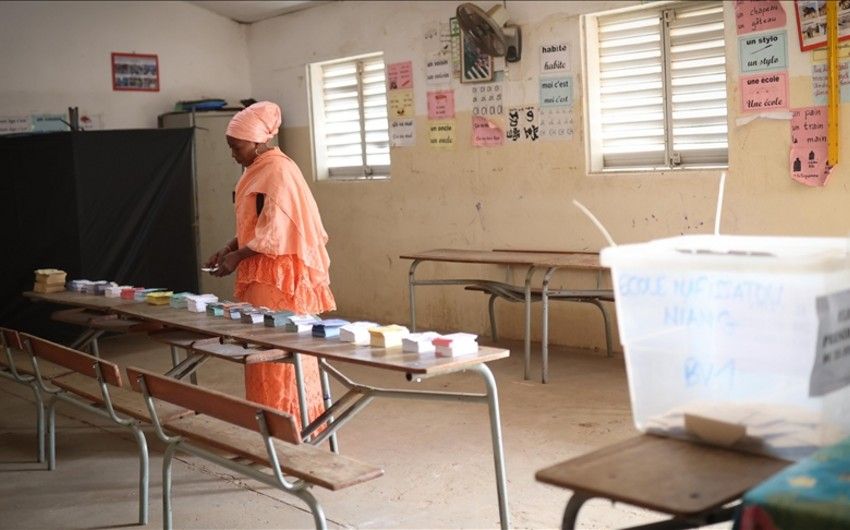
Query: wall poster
[[135, 71]]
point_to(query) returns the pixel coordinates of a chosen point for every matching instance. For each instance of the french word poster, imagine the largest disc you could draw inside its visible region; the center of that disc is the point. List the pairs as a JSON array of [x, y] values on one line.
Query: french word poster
[[401, 103], [556, 91], [768, 51], [758, 15], [808, 146], [403, 133], [441, 133], [486, 132], [764, 92], [400, 75], [441, 104], [523, 124]]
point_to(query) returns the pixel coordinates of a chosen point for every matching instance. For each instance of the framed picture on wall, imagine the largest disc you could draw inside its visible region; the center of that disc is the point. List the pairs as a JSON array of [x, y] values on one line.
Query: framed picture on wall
[[811, 22], [475, 65], [135, 71]]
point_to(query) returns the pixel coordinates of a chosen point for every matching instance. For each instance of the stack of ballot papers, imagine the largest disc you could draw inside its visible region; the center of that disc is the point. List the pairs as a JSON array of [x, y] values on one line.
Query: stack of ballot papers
[[456, 344], [301, 323], [419, 342], [216, 309], [142, 294], [114, 291], [197, 303], [252, 315], [329, 328], [387, 336], [276, 319], [159, 297], [130, 292], [94, 287], [77, 286], [49, 281], [356, 332], [101, 287], [233, 310], [178, 300]]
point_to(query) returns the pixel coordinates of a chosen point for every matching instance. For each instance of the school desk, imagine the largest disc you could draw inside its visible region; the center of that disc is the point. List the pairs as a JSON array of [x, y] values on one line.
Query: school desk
[[415, 367], [690, 482], [533, 261]]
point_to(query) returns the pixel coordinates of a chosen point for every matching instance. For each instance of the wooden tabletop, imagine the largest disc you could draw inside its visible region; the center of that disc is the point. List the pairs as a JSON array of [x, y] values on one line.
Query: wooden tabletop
[[571, 260], [386, 358], [664, 474]]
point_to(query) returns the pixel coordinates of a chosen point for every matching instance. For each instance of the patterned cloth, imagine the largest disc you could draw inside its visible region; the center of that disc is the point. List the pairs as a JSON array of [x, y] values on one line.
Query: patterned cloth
[[813, 494]]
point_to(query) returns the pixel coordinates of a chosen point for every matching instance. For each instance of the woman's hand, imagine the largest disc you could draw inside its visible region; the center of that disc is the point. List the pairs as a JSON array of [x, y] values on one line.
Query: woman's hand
[[215, 260], [227, 263]]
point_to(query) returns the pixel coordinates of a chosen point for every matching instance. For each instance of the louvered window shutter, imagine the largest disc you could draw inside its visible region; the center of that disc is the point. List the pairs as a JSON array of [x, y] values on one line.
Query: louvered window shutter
[[662, 87], [355, 118]]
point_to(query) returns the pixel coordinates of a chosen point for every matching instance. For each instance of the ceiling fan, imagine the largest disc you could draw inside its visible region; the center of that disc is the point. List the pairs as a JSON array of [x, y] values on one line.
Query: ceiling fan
[[490, 31]]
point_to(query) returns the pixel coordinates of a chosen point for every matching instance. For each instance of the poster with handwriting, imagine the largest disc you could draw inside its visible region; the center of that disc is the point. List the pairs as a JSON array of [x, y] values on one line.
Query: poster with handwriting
[[758, 15], [403, 133], [764, 92], [808, 146], [554, 58], [556, 123], [820, 86], [523, 124], [486, 132], [767, 51], [487, 100], [441, 104], [401, 103], [556, 91], [441, 133], [400, 75], [438, 69]]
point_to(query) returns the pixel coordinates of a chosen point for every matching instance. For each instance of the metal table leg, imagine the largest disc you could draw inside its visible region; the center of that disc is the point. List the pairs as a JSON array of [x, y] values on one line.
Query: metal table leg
[[544, 341], [527, 353], [575, 503], [411, 285]]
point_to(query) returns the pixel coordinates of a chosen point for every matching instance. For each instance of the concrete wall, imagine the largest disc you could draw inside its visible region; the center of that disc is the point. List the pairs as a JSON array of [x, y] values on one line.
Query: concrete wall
[[517, 196], [56, 55]]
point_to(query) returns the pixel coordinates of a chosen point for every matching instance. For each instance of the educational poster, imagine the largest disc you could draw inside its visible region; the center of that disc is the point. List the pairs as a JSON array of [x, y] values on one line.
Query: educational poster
[[454, 29], [808, 146], [554, 58], [475, 65], [438, 38], [820, 87], [556, 123], [403, 133], [768, 51], [438, 70], [764, 92], [758, 15], [15, 124], [401, 103], [811, 22], [556, 91], [831, 370], [400, 75], [487, 100], [523, 124], [441, 104], [441, 134], [486, 132]]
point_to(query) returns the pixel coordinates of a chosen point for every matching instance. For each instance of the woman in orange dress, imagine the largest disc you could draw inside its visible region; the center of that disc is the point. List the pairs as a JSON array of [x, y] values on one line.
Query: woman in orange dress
[[278, 253]]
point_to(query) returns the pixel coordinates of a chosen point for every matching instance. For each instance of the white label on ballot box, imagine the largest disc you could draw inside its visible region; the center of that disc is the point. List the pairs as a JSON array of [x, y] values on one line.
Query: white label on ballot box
[[832, 362]]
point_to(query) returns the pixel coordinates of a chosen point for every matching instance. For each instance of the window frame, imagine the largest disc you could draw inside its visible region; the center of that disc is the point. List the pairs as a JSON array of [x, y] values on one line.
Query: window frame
[[591, 93], [318, 137]]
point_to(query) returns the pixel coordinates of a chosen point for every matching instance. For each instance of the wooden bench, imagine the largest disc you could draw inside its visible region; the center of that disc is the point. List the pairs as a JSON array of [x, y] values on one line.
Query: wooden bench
[[517, 294], [16, 366], [257, 434], [97, 323], [96, 386]]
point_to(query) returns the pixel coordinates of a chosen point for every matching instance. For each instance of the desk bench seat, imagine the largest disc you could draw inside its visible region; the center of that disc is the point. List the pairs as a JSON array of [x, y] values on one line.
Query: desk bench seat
[[97, 323], [257, 433], [517, 294]]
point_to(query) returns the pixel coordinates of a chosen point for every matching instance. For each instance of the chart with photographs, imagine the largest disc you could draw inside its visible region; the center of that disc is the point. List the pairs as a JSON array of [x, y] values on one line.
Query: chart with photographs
[[811, 22], [131, 71]]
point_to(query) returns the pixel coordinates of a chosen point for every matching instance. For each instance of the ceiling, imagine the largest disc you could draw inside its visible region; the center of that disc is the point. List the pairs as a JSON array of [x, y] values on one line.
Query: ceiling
[[248, 11]]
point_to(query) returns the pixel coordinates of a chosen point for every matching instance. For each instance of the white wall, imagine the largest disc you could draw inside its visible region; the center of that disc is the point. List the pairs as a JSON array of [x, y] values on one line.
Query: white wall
[[56, 55]]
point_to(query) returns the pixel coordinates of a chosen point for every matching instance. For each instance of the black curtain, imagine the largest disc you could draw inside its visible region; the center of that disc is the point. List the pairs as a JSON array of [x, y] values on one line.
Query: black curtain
[[101, 205]]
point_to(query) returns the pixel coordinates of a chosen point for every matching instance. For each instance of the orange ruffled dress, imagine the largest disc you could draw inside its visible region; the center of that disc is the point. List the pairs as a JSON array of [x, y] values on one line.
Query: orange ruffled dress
[[289, 271]]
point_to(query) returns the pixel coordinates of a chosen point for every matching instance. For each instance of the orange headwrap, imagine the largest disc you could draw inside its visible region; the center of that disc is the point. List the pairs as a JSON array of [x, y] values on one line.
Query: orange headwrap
[[257, 123]]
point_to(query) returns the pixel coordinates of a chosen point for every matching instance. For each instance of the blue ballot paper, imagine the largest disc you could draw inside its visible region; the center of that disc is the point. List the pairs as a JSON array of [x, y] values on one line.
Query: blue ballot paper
[[328, 328]]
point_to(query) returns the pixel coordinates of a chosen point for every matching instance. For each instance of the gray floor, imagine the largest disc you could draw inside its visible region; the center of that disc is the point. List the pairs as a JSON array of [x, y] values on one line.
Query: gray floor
[[437, 456]]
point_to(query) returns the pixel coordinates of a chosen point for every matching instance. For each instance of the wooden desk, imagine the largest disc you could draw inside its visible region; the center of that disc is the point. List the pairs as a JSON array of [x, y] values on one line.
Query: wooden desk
[[532, 260], [416, 367], [689, 481]]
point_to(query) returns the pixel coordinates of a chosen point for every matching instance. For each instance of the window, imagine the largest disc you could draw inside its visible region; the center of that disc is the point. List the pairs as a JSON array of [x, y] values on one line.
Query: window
[[656, 87], [349, 113]]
